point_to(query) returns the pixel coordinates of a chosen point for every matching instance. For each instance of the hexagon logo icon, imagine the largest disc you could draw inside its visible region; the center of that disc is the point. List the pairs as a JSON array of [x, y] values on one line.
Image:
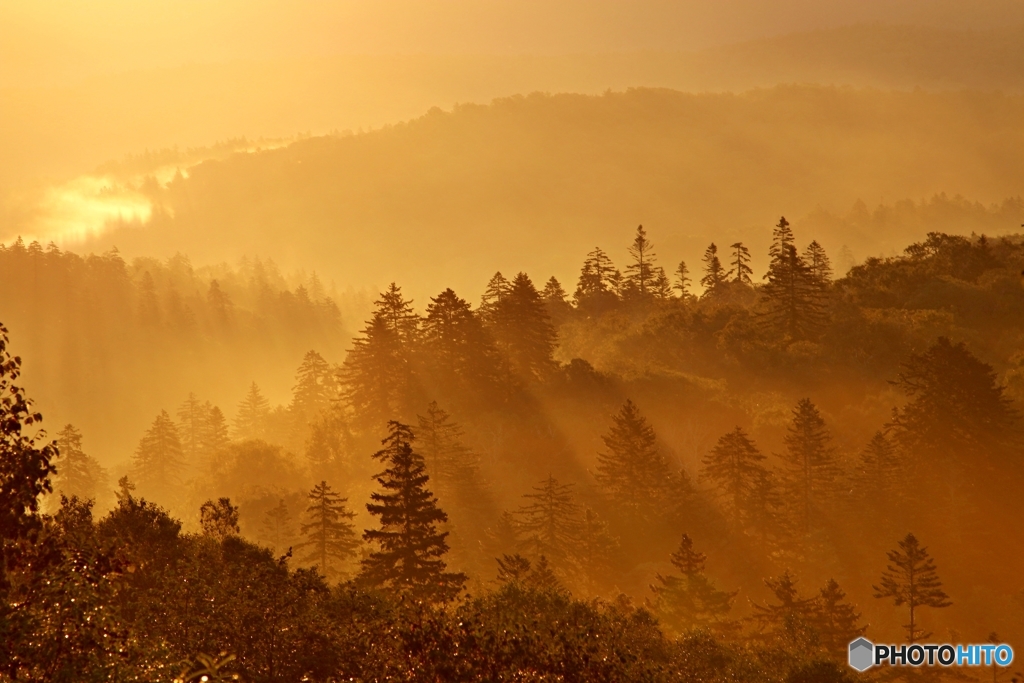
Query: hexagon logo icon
[[862, 654]]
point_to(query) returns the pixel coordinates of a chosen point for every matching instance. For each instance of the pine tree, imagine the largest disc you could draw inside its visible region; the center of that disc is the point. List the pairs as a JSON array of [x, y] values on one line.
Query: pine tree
[[735, 467], [219, 519], [251, 418], [714, 274], [377, 376], [158, 461], [633, 472], [791, 298], [78, 474], [327, 532], [836, 621], [556, 300], [690, 600], [682, 284], [498, 287], [313, 391], [277, 526], [819, 264], [215, 436], [597, 285], [549, 525], [741, 263], [911, 579], [792, 616], [451, 465], [523, 330], [640, 274], [457, 343], [411, 549], [192, 426], [811, 471], [880, 472]]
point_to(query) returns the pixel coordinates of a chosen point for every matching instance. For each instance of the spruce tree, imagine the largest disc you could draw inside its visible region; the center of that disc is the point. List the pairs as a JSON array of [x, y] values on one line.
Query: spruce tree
[[879, 476], [735, 467], [632, 471], [277, 526], [549, 524], [451, 465], [523, 330], [714, 274], [811, 471], [741, 264], [556, 300], [215, 434], [410, 550], [456, 342], [158, 462], [596, 287], [498, 287], [640, 274], [911, 579], [836, 620], [682, 284], [251, 418], [690, 600], [792, 616], [792, 300], [78, 474], [327, 532], [819, 264], [314, 389], [192, 417]]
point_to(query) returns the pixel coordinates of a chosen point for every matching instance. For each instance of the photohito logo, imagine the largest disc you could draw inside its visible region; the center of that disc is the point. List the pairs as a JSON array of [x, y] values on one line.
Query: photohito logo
[[864, 654]]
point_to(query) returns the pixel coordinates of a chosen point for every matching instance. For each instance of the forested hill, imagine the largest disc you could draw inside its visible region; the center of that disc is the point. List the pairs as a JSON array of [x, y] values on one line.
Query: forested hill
[[523, 183]]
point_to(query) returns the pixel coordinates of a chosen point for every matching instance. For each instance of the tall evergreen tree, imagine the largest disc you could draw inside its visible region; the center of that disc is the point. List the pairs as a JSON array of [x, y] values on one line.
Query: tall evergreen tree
[[819, 264], [377, 377], [549, 524], [215, 436], [192, 417], [837, 621], [682, 284], [457, 343], [277, 527], [498, 287], [410, 548], [640, 274], [735, 467], [792, 616], [791, 298], [523, 330], [633, 471], [327, 532], [811, 471], [690, 600], [595, 549], [158, 461], [597, 284], [314, 389], [78, 474], [911, 579], [714, 274], [451, 465], [741, 263], [251, 418], [556, 300]]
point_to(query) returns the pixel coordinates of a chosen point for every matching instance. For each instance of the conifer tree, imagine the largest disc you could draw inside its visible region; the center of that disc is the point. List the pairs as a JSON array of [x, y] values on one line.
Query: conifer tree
[[549, 524], [192, 426], [911, 579], [451, 465], [791, 298], [158, 461], [792, 616], [149, 305], [880, 472], [277, 526], [682, 284], [410, 548], [595, 549], [78, 474], [714, 274], [251, 418], [327, 532], [556, 300], [819, 264], [662, 287], [836, 620], [690, 600], [457, 342], [735, 467], [597, 284], [215, 436], [498, 287], [219, 519], [811, 470], [741, 263], [523, 330], [314, 388], [640, 274], [219, 303], [377, 376], [632, 471]]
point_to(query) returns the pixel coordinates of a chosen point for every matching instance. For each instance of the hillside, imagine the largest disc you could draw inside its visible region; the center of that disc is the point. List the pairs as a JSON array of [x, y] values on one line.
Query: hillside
[[534, 182]]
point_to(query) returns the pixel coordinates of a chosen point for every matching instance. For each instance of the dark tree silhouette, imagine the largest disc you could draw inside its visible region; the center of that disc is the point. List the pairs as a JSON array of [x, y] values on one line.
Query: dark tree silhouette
[[792, 616], [791, 297], [523, 330], [78, 474], [640, 274], [690, 600], [597, 287], [410, 548], [219, 519], [682, 284], [633, 471], [327, 532], [158, 462], [741, 263], [735, 467], [911, 579], [837, 620], [811, 472], [714, 273]]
